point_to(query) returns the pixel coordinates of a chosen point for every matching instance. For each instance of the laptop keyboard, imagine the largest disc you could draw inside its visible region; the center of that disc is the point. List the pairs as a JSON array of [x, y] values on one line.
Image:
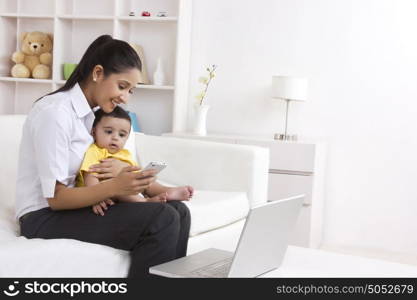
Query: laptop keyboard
[[218, 269]]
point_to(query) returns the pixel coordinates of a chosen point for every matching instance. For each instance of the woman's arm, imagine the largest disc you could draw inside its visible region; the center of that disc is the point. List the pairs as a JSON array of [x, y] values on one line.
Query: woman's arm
[[128, 182], [99, 208], [79, 197], [91, 179]]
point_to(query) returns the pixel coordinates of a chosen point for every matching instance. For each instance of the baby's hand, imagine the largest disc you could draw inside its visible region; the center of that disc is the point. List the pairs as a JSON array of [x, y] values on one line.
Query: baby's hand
[[98, 208]]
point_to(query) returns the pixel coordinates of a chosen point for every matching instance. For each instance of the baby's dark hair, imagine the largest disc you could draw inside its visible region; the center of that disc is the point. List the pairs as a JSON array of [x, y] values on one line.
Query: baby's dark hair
[[118, 112]]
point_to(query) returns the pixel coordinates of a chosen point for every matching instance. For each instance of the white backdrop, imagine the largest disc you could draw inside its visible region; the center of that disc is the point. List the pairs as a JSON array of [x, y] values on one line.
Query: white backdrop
[[361, 58]]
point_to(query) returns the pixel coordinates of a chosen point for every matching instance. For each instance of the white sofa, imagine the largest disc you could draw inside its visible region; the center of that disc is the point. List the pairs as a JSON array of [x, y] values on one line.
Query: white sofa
[[228, 180]]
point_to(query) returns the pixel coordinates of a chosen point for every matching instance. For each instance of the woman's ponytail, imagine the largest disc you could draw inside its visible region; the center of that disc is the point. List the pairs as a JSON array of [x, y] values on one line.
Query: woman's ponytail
[[115, 56]]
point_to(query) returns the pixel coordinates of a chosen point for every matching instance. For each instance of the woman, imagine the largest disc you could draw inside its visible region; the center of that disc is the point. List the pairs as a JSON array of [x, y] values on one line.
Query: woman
[[55, 137]]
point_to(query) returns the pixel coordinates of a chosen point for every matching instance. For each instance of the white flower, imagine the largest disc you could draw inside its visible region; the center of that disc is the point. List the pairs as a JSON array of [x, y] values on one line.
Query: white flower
[[200, 96], [206, 81], [203, 80]]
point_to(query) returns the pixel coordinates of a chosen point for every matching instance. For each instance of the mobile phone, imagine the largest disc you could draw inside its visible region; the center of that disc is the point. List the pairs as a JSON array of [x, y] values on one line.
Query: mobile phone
[[155, 165]]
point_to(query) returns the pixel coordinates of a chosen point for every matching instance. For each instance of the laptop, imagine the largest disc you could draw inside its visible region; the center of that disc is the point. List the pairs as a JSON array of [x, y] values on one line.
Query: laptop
[[261, 248]]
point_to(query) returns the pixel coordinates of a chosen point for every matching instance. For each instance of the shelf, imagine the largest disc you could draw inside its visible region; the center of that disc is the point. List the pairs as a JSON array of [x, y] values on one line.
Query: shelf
[[76, 23], [85, 17], [139, 86], [32, 80], [25, 80], [27, 16], [155, 87], [147, 19]]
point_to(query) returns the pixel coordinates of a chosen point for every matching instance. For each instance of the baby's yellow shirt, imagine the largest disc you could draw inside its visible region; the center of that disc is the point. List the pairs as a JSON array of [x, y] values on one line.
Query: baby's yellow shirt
[[94, 154]]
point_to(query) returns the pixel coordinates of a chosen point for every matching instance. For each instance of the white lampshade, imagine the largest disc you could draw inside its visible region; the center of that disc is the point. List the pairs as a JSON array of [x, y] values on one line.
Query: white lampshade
[[290, 88]]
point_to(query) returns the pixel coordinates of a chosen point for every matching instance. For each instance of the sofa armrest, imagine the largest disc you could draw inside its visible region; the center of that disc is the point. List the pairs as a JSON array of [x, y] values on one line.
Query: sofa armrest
[[11, 134], [208, 165]]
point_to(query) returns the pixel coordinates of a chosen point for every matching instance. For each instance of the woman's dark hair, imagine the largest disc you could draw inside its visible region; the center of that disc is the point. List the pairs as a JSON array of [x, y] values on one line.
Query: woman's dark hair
[[115, 56], [118, 112]]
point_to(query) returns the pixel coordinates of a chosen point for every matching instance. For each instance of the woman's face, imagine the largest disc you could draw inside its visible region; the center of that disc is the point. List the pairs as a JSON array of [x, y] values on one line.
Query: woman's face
[[114, 89]]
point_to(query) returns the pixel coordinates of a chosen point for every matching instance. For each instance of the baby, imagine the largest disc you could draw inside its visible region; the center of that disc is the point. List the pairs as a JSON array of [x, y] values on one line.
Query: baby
[[110, 132]]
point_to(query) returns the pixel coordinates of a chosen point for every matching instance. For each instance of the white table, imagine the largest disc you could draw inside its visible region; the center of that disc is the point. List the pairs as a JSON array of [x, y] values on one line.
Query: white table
[[307, 262]]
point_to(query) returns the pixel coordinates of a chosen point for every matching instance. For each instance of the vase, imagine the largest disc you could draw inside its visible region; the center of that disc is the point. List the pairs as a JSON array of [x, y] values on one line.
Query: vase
[[158, 75], [200, 119]]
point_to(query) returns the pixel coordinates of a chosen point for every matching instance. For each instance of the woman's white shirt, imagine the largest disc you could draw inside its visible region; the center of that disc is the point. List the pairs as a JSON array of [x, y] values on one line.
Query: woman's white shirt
[[55, 137]]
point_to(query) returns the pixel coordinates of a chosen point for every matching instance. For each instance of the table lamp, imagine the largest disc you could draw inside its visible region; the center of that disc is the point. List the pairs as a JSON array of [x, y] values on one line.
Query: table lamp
[[289, 89]]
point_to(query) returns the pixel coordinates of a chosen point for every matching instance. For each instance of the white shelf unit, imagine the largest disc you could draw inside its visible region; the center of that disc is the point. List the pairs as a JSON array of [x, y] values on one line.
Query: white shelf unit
[[76, 23]]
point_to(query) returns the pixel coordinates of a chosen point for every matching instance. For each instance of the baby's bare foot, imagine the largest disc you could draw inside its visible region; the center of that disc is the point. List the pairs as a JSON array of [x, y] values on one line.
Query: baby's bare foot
[[190, 190], [158, 198], [181, 193]]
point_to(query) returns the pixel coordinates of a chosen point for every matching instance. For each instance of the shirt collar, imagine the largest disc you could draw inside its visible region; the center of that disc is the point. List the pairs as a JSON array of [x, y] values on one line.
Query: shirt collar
[[79, 102]]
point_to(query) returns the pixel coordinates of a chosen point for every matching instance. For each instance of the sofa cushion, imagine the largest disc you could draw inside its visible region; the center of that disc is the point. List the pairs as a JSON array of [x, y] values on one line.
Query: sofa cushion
[[19, 255], [207, 210], [215, 209], [10, 135], [9, 227], [60, 258]]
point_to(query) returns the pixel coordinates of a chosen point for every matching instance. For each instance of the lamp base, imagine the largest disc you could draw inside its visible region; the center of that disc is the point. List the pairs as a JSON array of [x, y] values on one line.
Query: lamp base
[[285, 137]]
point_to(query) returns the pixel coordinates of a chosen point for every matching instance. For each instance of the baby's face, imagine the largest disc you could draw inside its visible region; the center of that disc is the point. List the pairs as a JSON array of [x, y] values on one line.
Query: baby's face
[[111, 133]]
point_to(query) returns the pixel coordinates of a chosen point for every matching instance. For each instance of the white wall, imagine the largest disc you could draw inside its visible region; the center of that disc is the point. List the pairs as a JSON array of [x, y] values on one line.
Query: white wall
[[361, 58]]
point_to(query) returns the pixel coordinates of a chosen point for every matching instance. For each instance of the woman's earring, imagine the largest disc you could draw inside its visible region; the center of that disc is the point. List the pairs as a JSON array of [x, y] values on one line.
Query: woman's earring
[[94, 79]]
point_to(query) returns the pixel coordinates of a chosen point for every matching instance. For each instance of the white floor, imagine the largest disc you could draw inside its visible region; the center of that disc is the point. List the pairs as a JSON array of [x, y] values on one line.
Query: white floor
[[306, 262], [403, 258]]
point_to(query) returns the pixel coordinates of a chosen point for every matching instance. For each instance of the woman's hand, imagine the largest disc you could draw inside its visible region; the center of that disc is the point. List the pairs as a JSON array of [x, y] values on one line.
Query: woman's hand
[[98, 208], [131, 182], [108, 168]]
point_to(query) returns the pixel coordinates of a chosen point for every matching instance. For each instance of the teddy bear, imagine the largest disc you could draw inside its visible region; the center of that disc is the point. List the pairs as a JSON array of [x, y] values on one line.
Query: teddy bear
[[143, 79], [35, 58]]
